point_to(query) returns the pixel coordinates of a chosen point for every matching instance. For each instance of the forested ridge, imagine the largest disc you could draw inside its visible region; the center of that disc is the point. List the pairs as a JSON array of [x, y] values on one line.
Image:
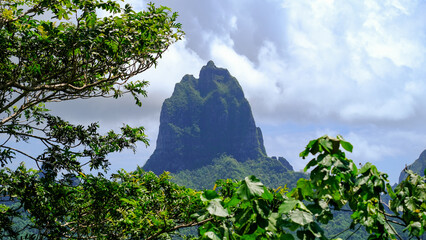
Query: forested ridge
[[51, 61]]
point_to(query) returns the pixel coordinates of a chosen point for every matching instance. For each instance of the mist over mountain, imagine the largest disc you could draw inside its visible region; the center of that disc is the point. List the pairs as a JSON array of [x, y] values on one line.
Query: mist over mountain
[[204, 119]]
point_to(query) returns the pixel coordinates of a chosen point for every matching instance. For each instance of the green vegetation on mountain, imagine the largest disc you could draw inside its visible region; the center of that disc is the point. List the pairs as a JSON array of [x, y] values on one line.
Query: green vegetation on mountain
[[271, 172], [204, 119]]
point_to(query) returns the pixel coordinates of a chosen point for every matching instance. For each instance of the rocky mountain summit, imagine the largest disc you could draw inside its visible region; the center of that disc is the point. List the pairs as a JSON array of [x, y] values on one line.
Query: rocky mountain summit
[[204, 119]]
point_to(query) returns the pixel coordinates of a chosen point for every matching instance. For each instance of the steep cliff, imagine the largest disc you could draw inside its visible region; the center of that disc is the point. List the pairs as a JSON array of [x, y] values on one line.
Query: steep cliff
[[204, 119]]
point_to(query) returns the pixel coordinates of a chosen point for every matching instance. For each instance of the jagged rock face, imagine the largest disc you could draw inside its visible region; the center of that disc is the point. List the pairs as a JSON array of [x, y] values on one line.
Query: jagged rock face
[[204, 119], [417, 166]]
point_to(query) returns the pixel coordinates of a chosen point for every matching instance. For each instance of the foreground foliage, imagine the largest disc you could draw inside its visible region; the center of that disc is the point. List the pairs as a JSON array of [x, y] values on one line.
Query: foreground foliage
[[251, 211], [76, 54], [145, 206], [129, 205]]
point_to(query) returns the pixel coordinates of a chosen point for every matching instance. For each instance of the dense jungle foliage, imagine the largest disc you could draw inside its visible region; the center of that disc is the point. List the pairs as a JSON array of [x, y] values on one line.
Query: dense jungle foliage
[[143, 205], [268, 170]]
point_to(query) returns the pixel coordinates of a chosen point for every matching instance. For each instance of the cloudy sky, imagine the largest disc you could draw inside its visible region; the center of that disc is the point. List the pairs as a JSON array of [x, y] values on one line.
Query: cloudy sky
[[307, 67]]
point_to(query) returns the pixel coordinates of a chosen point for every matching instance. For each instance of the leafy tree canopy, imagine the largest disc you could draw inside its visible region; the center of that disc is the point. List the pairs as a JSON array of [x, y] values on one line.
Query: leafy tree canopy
[[74, 55], [143, 205], [248, 210], [130, 205]]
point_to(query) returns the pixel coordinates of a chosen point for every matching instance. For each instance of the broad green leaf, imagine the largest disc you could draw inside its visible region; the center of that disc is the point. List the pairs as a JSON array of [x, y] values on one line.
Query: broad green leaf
[[250, 187], [312, 143], [211, 235], [215, 208], [233, 202], [315, 229], [301, 217], [410, 203], [415, 228], [267, 195], [327, 161], [311, 163], [306, 187], [326, 143], [287, 206], [304, 153], [365, 168], [346, 145], [272, 222], [210, 194], [261, 208]]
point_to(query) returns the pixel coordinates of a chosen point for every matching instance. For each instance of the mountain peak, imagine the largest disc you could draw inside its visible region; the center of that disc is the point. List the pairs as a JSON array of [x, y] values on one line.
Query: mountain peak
[[211, 64], [205, 118]]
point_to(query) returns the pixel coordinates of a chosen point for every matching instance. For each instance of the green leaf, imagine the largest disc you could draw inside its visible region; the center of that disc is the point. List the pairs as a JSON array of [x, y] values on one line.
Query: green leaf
[[210, 194], [390, 191], [327, 161], [306, 187], [233, 202], [215, 208], [326, 143], [129, 201], [261, 208], [301, 217], [410, 203], [315, 229], [415, 228], [211, 235], [346, 145], [267, 195], [304, 153], [311, 163], [365, 168], [287, 206], [250, 187]]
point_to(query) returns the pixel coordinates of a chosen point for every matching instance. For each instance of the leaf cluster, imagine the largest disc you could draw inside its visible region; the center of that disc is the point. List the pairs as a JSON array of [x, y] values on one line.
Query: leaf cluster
[[142, 205], [127, 206], [336, 182], [77, 54], [248, 210]]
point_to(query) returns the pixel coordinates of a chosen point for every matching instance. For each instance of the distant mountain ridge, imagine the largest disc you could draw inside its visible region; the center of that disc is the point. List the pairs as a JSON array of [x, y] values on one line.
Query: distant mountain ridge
[[418, 166], [204, 119]]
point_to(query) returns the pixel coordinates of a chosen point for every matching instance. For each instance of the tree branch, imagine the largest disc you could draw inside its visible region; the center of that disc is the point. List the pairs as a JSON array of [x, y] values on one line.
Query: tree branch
[[19, 151]]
